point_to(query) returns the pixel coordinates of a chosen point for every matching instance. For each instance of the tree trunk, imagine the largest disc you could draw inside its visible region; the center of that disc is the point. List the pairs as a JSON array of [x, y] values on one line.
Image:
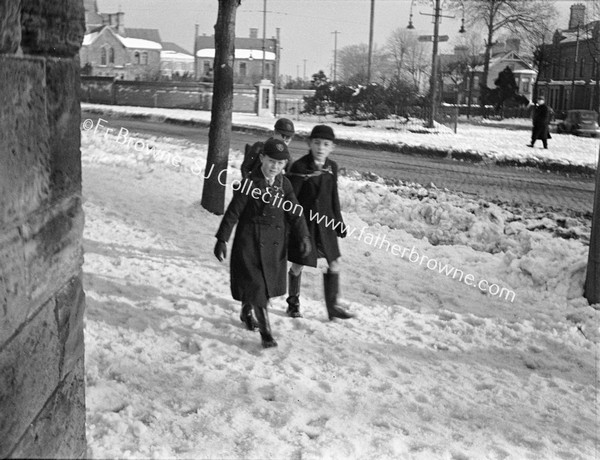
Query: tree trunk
[[592, 280], [213, 193], [486, 61]]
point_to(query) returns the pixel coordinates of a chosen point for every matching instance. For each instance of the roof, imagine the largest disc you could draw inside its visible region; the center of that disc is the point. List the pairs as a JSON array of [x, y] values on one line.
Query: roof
[[151, 35], [508, 57], [239, 54], [208, 42], [128, 42], [174, 56], [170, 46]]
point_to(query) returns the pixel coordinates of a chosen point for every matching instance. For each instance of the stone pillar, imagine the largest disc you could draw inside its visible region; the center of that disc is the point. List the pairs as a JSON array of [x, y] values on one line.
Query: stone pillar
[[265, 102], [42, 393]]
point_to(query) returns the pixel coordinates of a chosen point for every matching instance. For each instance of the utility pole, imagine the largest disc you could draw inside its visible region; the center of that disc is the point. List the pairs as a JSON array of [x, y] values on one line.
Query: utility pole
[[196, 52], [304, 77], [370, 59], [433, 82], [575, 70], [264, 43], [592, 279], [276, 82], [335, 56]]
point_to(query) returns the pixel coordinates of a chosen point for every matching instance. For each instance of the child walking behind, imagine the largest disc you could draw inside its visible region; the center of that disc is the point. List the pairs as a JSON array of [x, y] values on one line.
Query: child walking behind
[[314, 179]]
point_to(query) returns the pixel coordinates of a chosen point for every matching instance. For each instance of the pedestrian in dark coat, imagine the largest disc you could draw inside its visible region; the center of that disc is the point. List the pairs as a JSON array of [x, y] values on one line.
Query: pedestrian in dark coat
[[541, 121], [315, 181], [262, 205]]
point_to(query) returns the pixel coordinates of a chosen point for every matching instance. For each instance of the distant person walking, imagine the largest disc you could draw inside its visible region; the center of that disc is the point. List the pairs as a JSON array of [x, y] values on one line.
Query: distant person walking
[[541, 121]]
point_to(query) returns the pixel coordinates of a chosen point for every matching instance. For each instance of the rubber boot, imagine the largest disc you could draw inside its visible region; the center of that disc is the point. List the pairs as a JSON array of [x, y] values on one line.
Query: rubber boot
[[293, 309], [264, 327], [331, 283], [247, 318]]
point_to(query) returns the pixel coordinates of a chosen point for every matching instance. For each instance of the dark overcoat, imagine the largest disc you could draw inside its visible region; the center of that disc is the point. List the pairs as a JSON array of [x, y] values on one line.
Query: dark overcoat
[[541, 121], [317, 192], [258, 262]]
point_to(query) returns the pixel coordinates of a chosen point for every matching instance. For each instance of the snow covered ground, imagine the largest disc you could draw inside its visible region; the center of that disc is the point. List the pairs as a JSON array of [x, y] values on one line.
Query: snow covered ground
[[489, 142], [432, 368]]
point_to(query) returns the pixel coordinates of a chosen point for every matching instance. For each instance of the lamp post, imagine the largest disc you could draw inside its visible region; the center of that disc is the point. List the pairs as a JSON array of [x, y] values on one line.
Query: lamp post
[[335, 56], [264, 41], [370, 58], [433, 82]]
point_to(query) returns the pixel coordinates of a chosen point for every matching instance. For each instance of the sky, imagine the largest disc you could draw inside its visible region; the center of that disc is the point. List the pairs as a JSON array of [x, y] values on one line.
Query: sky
[[306, 26]]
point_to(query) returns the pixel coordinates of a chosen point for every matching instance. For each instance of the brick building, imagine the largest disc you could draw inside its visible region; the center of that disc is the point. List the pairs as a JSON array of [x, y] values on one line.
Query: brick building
[[111, 49], [248, 58], [465, 86], [570, 65]]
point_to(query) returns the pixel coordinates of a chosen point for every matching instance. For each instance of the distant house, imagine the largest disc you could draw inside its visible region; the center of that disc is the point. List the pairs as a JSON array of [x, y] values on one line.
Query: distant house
[[502, 55], [570, 65], [111, 49], [248, 58], [176, 61]]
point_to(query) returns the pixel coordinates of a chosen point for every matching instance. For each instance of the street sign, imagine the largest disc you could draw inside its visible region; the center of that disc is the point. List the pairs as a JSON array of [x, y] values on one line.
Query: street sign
[[429, 38]]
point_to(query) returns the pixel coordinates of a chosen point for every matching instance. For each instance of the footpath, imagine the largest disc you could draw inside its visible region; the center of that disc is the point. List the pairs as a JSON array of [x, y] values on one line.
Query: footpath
[[499, 143]]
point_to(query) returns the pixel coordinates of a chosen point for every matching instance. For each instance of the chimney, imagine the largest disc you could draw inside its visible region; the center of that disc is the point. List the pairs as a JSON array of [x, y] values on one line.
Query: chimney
[[461, 51], [497, 48], [253, 33], [577, 16], [120, 23], [512, 44]]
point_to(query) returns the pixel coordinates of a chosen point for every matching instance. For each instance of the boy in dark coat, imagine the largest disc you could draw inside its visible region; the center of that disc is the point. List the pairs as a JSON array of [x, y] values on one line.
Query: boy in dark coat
[[261, 206], [283, 129], [541, 120], [314, 178]]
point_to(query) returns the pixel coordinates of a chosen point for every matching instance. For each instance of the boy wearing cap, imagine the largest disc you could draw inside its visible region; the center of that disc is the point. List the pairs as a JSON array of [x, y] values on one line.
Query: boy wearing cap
[[259, 252], [314, 178], [283, 129]]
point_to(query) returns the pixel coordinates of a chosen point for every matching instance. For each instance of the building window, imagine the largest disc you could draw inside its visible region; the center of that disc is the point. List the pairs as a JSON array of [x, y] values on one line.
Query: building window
[[144, 58], [111, 56], [243, 69], [136, 57], [525, 85], [582, 68], [567, 69], [206, 65], [103, 56]]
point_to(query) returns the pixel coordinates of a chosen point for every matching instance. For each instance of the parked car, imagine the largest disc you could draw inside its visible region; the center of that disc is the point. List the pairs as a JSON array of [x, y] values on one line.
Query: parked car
[[580, 123]]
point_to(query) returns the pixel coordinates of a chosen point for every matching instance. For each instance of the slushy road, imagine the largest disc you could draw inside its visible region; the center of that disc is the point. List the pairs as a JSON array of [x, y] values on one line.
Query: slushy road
[[517, 187]]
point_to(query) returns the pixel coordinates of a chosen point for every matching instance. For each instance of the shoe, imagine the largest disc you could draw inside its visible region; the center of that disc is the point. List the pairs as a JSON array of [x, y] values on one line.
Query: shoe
[[293, 309], [331, 283], [264, 326], [247, 318], [529, 145]]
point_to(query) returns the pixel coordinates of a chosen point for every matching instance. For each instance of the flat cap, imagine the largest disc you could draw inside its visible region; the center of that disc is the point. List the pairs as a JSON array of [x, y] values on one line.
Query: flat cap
[[276, 149], [322, 132]]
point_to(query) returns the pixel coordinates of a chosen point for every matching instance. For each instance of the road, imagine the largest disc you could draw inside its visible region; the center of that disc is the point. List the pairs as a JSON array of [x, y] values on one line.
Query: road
[[516, 188]]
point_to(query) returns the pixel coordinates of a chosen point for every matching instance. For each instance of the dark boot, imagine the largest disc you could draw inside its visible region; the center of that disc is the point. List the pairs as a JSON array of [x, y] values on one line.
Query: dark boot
[[293, 309], [331, 283], [262, 317], [247, 318]]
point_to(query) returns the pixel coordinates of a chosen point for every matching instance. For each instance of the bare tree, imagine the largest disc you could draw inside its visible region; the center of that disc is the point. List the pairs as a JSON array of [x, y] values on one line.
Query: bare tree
[[213, 193], [402, 45], [518, 17], [352, 64]]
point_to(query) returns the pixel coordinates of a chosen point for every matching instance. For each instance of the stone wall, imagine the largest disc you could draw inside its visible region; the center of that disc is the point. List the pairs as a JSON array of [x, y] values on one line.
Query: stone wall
[[42, 398]]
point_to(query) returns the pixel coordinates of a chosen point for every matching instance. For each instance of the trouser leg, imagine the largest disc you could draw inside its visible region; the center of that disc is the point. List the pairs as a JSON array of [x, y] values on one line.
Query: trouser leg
[[331, 283], [293, 300], [264, 326], [247, 318]]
